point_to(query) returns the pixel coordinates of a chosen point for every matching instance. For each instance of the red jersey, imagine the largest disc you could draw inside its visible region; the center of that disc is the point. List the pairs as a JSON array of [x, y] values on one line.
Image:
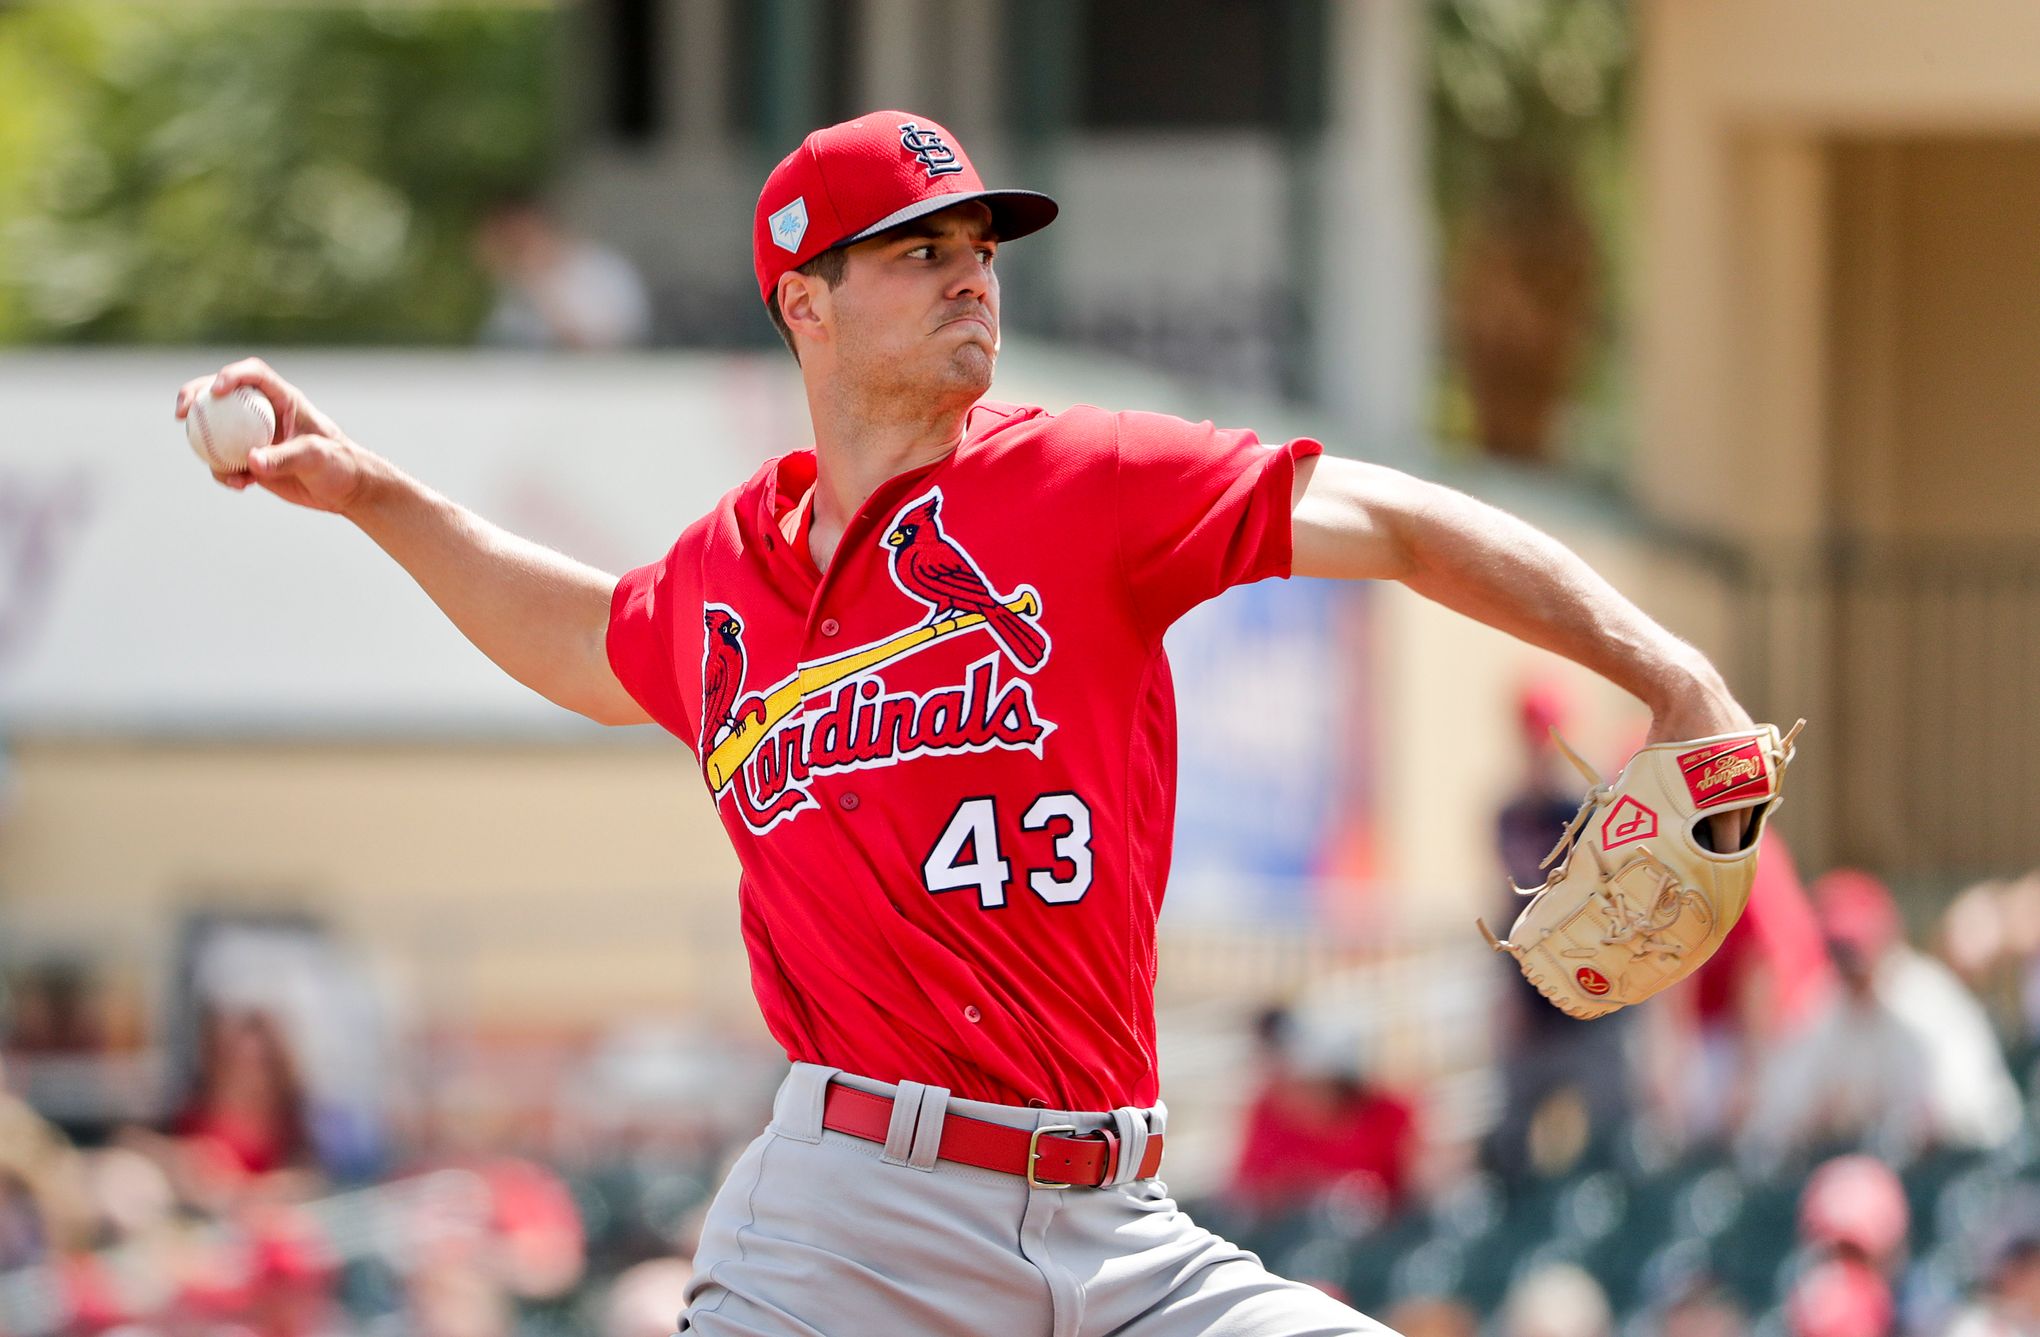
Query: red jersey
[[947, 763], [1290, 1152], [1779, 934]]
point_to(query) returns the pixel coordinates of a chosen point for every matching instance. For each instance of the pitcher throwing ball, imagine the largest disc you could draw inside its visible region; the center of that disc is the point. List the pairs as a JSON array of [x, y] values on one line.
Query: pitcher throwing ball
[[921, 667]]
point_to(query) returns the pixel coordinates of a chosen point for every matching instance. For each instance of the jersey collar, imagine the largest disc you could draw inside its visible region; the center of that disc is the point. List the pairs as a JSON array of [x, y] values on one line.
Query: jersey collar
[[784, 507]]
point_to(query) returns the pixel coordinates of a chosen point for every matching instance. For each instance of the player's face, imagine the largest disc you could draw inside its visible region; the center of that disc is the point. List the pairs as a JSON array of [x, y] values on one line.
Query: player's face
[[918, 309]]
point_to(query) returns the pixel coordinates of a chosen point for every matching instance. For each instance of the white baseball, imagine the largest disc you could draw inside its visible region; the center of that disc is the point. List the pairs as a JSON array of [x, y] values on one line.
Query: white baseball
[[222, 429]]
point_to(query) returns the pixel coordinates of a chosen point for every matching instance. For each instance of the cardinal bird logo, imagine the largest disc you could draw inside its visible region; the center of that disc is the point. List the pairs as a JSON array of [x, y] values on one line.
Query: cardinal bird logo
[[722, 673], [929, 565]]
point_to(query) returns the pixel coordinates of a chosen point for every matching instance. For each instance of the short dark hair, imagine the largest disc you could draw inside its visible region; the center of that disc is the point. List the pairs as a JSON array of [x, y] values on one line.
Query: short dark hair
[[829, 267]]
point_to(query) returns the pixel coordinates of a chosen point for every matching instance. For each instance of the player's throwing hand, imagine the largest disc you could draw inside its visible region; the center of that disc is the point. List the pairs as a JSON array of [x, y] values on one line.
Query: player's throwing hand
[[310, 462], [1704, 708]]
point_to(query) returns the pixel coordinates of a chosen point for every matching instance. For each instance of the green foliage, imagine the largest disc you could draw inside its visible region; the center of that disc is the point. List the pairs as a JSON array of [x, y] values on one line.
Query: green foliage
[[1529, 121], [1525, 92], [226, 174]]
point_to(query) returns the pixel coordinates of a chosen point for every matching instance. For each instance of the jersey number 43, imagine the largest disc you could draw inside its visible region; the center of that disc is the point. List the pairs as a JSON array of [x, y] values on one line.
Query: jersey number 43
[[966, 854]]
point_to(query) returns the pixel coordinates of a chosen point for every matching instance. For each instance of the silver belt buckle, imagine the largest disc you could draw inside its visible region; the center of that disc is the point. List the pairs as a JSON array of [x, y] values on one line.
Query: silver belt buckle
[[1034, 1153]]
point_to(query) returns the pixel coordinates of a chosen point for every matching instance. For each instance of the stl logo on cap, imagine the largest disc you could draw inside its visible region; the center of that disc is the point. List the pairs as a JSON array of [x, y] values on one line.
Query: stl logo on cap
[[789, 225], [927, 145]]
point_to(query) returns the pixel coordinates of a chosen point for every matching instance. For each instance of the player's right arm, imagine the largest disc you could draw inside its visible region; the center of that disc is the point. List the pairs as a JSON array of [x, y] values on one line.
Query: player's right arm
[[541, 616]]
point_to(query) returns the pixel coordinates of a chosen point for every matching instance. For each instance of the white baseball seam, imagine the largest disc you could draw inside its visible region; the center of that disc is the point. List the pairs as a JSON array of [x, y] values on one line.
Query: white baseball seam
[[205, 431], [205, 434]]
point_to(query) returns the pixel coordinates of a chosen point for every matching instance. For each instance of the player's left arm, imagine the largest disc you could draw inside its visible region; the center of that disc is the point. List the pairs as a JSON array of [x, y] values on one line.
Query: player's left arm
[[1365, 522]]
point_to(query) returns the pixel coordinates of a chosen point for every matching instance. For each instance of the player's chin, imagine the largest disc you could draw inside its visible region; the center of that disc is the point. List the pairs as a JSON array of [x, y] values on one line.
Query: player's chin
[[971, 366]]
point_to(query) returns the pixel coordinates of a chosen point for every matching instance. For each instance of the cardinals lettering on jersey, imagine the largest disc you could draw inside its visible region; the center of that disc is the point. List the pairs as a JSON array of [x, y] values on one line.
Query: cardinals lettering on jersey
[[840, 713]]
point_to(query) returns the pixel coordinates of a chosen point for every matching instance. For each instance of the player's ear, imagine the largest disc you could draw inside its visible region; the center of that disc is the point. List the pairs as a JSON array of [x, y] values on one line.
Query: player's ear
[[804, 303]]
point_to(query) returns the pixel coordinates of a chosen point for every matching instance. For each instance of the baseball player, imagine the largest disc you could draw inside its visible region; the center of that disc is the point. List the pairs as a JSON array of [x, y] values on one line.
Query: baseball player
[[921, 668]]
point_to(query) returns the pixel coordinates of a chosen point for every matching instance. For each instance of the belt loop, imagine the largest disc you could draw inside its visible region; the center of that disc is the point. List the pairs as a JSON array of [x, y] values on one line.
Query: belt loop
[[928, 1128], [1132, 1126], [797, 1108], [899, 1134]]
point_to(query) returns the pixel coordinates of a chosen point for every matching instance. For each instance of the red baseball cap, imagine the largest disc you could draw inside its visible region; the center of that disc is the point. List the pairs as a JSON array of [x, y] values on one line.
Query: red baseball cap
[[1856, 909], [856, 179], [1859, 1201]]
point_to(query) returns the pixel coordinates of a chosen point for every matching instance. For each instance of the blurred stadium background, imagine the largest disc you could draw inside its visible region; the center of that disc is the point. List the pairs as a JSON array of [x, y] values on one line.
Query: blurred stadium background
[[348, 988]]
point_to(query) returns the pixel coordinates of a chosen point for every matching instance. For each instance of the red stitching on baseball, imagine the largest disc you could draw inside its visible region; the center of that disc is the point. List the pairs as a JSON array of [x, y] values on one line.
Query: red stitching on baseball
[[205, 432]]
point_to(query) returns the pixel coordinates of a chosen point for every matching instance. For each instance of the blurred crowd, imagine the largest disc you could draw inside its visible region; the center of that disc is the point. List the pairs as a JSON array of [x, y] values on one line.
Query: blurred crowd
[[1825, 1133], [242, 1214]]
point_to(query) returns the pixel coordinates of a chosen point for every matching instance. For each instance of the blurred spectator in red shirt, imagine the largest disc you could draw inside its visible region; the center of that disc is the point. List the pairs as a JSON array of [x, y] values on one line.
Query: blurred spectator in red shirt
[[246, 1115], [241, 1150], [1840, 1297], [1318, 1121], [1854, 1222], [1764, 982]]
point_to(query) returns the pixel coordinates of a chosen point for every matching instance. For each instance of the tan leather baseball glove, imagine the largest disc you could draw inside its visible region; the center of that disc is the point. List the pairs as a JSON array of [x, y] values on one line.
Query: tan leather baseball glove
[[1636, 900]]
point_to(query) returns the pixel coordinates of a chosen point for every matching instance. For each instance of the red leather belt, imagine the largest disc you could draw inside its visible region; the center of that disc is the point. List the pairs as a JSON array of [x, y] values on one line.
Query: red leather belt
[[1053, 1156]]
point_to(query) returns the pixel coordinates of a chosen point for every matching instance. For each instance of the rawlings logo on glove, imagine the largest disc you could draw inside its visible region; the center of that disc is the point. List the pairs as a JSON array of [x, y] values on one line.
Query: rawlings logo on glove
[[1636, 902]]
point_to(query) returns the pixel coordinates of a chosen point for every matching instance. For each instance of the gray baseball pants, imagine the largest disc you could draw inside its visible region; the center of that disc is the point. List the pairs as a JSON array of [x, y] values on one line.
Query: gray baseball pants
[[821, 1234]]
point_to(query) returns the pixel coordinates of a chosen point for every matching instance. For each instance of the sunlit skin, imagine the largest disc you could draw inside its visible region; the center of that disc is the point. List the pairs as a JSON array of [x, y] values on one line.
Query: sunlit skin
[[893, 357]]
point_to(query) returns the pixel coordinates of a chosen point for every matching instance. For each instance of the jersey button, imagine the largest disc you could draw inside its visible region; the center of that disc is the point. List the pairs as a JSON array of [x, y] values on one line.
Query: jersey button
[[848, 801], [830, 626], [972, 1015]]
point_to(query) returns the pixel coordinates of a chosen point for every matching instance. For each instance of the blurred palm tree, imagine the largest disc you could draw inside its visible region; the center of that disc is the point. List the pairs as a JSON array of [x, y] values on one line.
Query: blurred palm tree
[[222, 173], [1528, 97]]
